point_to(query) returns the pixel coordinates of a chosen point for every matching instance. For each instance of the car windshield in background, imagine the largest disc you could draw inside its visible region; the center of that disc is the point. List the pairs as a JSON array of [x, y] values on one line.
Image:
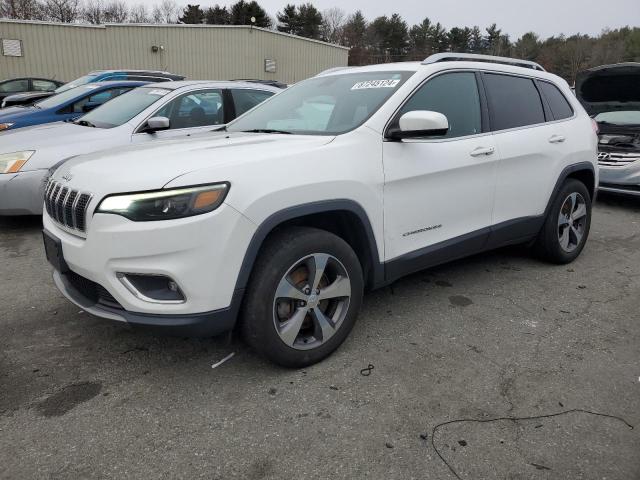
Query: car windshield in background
[[623, 117], [123, 108], [329, 105], [64, 97], [75, 83]]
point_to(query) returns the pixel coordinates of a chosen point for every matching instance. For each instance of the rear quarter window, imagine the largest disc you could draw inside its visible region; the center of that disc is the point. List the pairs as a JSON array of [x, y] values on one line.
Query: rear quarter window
[[513, 101], [560, 107]]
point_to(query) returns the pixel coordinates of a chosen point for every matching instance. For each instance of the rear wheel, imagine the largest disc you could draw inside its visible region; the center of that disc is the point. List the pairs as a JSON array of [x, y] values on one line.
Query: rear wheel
[[566, 227], [303, 296]]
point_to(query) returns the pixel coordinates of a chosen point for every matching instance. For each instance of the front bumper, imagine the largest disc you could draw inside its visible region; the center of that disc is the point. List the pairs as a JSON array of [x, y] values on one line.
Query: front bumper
[[22, 193], [620, 179], [207, 324], [202, 254]]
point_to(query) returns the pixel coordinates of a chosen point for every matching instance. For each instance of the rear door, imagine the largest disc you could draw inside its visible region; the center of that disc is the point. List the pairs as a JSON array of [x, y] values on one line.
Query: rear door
[[533, 146], [244, 99]]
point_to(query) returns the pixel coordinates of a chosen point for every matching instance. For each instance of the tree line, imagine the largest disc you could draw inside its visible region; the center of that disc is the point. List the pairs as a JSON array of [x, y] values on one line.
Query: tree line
[[383, 39]]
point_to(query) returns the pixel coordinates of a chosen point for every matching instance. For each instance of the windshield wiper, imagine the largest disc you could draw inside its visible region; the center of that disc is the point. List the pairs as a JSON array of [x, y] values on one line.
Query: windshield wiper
[[223, 128], [266, 130], [84, 123]]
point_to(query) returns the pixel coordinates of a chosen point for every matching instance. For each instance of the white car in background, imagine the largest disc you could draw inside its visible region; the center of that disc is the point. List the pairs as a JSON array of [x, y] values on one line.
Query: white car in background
[[156, 111]]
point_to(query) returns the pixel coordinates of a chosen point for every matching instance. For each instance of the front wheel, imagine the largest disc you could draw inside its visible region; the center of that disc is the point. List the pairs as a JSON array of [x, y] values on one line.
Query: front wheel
[[566, 227], [303, 297]]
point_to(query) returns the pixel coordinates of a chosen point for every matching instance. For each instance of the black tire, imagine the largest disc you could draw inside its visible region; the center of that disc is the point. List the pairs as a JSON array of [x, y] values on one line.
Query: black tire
[[547, 245], [260, 311]]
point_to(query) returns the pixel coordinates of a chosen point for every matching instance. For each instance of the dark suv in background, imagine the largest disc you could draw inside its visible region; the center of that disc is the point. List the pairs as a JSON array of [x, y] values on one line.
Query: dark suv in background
[[23, 85], [151, 76]]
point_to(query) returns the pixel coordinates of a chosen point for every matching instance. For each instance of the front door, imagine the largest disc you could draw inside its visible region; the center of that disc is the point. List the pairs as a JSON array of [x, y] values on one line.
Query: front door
[[439, 192]]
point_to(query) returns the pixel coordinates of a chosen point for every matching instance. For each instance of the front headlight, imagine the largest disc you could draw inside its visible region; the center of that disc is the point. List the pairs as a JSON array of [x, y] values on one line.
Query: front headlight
[[5, 126], [13, 162], [165, 204]]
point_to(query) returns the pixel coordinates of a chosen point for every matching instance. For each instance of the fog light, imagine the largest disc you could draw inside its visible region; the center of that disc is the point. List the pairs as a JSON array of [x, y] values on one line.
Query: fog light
[[152, 288]]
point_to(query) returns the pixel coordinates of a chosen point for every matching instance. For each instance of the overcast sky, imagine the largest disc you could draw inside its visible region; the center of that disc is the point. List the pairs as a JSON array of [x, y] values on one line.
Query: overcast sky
[[515, 17]]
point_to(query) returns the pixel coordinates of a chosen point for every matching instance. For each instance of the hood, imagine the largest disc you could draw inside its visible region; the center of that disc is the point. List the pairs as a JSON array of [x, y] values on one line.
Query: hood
[[609, 88], [152, 166], [12, 114], [57, 141]]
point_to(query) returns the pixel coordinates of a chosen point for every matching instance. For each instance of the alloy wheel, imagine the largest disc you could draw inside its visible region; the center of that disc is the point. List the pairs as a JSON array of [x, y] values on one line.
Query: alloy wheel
[[572, 220], [311, 301]]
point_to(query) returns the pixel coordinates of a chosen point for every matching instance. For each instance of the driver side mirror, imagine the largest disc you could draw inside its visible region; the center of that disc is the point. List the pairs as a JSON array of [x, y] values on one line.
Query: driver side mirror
[[419, 124], [155, 124]]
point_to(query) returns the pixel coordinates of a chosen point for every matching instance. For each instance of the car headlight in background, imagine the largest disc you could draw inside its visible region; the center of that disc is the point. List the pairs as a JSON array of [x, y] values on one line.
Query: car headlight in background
[[13, 162], [5, 126], [165, 204]]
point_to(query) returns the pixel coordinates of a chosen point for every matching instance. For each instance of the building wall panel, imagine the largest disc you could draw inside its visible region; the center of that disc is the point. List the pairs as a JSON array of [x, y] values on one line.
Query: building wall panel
[[66, 52]]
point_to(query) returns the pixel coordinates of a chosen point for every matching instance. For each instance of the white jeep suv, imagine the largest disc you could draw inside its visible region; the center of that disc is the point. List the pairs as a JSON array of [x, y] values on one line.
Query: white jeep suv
[[343, 182]]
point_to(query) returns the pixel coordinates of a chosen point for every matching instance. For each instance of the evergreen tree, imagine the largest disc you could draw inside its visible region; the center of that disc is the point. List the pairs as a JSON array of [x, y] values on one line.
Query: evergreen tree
[[309, 21], [217, 15], [192, 14], [241, 13], [288, 20], [459, 39]]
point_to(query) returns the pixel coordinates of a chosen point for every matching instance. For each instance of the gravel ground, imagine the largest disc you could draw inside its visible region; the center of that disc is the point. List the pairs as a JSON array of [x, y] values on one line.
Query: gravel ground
[[457, 354]]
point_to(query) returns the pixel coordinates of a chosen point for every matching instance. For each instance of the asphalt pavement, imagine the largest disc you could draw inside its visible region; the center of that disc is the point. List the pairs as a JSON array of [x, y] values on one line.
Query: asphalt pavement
[[496, 366]]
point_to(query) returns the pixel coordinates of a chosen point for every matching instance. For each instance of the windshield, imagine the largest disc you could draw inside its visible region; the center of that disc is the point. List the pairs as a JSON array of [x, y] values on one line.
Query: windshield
[[62, 98], [123, 108], [76, 83], [328, 105], [622, 117]]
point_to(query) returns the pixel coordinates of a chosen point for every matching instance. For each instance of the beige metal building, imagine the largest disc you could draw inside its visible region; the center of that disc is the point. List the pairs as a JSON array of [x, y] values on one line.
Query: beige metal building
[[66, 51]]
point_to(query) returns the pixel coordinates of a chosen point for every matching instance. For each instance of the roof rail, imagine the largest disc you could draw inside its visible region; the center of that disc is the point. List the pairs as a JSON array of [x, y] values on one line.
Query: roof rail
[[473, 57]]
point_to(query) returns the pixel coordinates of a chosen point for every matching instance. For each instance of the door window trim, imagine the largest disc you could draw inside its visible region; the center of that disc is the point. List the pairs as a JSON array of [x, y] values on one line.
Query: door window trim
[[484, 110], [521, 127], [547, 110], [547, 105]]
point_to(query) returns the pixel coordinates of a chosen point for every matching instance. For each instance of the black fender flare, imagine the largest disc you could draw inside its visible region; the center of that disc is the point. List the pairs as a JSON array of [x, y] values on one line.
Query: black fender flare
[[298, 211], [566, 172]]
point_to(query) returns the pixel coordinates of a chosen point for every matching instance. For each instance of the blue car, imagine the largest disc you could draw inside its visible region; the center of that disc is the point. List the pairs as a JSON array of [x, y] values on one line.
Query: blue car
[[151, 76], [120, 75], [64, 106]]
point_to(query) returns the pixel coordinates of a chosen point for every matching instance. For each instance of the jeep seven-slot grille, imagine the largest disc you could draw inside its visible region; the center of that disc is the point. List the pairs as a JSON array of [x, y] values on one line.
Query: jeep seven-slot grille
[[66, 206]]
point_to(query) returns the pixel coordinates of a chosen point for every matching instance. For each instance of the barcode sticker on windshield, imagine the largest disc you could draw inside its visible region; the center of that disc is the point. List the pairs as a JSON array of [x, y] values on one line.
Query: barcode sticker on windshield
[[375, 84], [158, 92]]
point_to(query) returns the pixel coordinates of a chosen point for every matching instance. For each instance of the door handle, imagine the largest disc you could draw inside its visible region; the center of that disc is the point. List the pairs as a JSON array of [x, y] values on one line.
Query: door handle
[[556, 139], [482, 151]]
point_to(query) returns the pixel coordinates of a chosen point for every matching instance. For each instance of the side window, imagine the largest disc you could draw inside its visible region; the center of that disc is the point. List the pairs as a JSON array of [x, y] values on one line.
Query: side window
[[246, 99], [513, 101], [560, 107], [96, 99], [456, 96], [15, 86], [43, 85], [197, 109]]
